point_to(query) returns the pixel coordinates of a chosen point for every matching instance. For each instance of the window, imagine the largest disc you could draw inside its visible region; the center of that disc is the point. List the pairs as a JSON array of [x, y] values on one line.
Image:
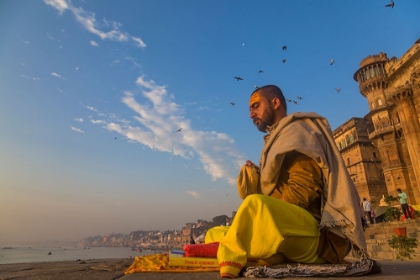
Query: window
[[348, 161], [354, 180], [379, 102], [374, 155], [339, 146], [372, 105], [351, 139]]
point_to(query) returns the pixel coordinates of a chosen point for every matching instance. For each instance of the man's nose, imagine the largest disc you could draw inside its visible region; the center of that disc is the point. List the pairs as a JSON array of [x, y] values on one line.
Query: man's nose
[[252, 113]]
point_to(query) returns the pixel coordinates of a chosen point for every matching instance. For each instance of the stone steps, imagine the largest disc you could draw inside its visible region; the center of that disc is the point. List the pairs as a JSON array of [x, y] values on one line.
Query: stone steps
[[377, 236]]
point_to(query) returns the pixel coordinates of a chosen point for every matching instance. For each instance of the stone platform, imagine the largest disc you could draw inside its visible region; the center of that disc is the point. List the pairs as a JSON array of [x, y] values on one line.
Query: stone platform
[[113, 269]]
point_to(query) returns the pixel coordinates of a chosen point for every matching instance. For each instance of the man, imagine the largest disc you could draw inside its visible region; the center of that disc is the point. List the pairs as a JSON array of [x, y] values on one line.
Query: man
[[404, 206], [367, 208], [301, 204]]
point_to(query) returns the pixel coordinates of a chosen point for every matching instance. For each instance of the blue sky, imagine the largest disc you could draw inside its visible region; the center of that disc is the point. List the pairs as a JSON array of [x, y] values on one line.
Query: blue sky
[[93, 92]]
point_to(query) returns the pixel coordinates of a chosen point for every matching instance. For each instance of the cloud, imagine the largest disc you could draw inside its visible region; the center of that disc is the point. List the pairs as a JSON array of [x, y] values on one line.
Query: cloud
[[77, 68], [78, 119], [139, 42], [115, 62], [60, 5], [57, 75], [76, 129], [97, 121], [25, 42], [109, 30], [194, 194], [27, 77], [156, 120], [93, 43], [91, 108]]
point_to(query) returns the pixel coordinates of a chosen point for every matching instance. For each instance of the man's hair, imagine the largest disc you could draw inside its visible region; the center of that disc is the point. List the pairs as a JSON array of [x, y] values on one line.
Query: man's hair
[[272, 91], [399, 190]]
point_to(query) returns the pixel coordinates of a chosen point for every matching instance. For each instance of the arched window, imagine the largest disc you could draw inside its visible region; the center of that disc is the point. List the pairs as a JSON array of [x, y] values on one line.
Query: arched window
[[372, 105], [379, 102]]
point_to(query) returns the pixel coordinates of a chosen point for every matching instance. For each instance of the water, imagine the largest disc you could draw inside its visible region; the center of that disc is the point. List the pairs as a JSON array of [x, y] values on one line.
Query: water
[[40, 254]]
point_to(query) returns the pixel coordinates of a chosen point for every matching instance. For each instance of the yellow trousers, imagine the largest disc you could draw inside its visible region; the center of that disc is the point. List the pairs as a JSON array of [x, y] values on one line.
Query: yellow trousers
[[262, 228]]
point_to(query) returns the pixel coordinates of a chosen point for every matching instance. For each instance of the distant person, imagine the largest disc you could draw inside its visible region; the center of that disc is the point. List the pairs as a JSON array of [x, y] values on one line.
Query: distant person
[[373, 216], [402, 196], [192, 240], [367, 207]]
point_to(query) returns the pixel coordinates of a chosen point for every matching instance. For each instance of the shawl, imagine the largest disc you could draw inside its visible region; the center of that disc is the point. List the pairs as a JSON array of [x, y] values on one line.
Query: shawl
[[310, 134]]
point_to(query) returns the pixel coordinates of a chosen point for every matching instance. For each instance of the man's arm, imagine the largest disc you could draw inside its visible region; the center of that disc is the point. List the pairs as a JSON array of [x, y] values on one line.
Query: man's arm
[[300, 181]]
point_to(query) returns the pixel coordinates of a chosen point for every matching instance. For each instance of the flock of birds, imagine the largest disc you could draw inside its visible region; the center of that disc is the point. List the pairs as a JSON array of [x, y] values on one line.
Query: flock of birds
[[284, 48], [295, 102]]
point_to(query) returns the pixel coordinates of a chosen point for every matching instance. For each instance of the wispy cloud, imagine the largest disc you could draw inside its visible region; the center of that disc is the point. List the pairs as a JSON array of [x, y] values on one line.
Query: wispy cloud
[[91, 108], [27, 77], [76, 129], [158, 118], [60, 5], [78, 119], [194, 194], [57, 75], [77, 68], [93, 43], [25, 41], [97, 121], [109, 30], [115, 62]]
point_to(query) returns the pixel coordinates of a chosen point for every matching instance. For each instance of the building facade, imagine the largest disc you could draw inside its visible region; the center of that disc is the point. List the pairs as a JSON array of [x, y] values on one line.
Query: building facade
[[392, 89], [361, 158]]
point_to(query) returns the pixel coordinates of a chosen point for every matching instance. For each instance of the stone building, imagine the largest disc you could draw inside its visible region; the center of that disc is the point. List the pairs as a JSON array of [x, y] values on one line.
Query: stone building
[[392, 89], [361, 158]]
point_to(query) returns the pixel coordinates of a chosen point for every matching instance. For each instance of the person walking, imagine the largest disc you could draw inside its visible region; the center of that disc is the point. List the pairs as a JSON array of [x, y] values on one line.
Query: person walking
[[402, 196], [367, 207]]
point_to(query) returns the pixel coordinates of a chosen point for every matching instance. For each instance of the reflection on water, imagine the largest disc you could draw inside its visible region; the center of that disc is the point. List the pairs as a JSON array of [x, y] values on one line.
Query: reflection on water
[[41, 254]]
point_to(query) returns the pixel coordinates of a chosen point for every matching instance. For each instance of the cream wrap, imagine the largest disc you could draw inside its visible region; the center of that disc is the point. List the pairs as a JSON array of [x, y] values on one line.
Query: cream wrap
[[310, 134]]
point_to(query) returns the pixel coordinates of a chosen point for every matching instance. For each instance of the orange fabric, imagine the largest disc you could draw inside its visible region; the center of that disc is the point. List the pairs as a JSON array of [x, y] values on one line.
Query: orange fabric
[[159, 263]]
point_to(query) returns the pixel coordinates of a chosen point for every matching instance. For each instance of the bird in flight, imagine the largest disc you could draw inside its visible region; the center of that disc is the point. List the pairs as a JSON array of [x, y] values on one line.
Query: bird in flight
[[261, 71], [338, 89], [331, 61], [115, 138], [284, 48], [238, 78], [289, 100], [298, 97], [295, 102], [390, 4], [179, 130], [284, 60], [255, 87], [231, 103]]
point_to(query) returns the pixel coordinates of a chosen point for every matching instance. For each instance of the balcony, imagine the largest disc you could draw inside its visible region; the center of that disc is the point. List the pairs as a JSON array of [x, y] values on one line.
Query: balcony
[[381, 131]]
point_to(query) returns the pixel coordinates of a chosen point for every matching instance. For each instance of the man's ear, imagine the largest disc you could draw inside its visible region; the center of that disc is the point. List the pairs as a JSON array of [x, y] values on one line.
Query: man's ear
[[276, 103]]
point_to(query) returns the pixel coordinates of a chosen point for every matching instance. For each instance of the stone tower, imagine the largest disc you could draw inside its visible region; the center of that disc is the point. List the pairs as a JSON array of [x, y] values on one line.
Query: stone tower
[[392, 88]]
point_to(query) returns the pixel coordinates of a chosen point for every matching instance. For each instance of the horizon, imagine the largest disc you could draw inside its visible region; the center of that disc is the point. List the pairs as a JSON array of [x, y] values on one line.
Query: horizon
[[116, 117]]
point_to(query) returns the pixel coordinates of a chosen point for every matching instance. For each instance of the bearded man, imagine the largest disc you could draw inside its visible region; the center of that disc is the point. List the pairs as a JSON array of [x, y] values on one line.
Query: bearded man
[[300, 204]]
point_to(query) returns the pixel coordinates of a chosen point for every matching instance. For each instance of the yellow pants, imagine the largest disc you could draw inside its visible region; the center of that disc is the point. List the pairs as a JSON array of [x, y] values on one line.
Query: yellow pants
[[263, 227]]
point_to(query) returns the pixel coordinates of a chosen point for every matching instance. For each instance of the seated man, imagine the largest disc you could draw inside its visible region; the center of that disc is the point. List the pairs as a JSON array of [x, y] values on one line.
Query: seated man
[[300, 204]]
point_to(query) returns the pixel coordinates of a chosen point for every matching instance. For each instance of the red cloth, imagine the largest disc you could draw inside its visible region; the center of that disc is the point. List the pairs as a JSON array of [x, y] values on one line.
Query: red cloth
[[201, 250]]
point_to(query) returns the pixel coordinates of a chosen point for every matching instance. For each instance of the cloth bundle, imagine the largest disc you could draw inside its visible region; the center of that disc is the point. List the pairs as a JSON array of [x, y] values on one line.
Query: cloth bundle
[[201, 250]]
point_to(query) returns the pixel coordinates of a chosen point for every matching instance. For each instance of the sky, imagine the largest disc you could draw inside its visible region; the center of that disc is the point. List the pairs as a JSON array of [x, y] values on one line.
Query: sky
[[93, 95]]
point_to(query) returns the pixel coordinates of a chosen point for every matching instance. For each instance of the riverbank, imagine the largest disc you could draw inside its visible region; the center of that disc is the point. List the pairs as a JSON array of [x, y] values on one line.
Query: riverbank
[[112, 269]]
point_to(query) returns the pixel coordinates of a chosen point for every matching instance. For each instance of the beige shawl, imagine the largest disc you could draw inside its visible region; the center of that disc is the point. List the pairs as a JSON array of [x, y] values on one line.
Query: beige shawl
[[310, 134]]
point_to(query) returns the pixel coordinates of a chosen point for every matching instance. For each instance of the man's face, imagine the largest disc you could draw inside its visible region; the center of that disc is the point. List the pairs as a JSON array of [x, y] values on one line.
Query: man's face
[[261, 112]]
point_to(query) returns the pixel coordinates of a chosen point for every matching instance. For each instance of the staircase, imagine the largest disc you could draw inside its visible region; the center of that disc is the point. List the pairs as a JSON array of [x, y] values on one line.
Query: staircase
[[377, 236]]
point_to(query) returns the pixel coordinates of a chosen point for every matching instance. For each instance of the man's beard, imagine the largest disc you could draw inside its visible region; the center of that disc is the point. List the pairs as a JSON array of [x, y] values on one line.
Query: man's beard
[[266, 120]]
